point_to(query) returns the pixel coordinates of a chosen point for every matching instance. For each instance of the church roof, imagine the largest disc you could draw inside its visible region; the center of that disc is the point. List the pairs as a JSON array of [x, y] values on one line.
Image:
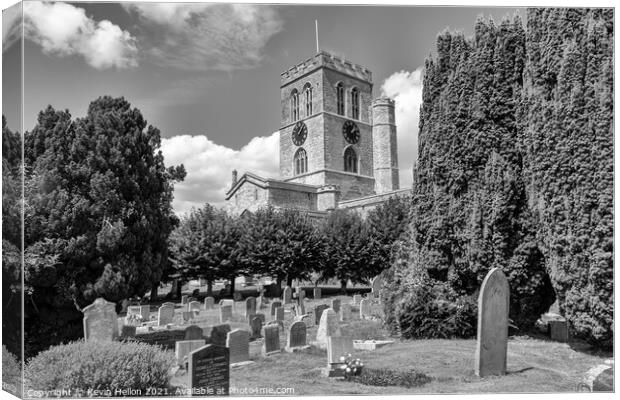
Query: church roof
[[268, 183]]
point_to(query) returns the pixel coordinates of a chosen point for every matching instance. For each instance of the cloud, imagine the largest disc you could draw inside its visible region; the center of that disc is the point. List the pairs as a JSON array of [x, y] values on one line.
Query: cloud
[[209, 166], [11, 26], [406, 89], [194, 36], [64, 30]]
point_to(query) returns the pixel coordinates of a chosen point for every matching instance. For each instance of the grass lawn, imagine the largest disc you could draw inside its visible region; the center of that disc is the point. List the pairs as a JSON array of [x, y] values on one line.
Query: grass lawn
[[534, 364]]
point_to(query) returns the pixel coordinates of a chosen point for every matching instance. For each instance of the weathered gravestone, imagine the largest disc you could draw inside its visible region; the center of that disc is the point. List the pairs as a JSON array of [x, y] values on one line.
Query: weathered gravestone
[[279, 314], [250, 306], [219, 334], [193, 306], [365, 310], [316, 293], [142, 311], [228, 303], [558, 330], [165, 314], [238, 343], [598, 379], [300, 309], [337, 346], [336, 305], [493, 307], [209, 303], [301, 294], [345, 312], [376, 285], [209, 371], [271, 333], [100, 321], [226, 313], [182, 348], [356, 299], [318, 312], [287, 295], [187, 316], [296, 337], [275, 305], [256, 325], [184, 299], [193, 332], [328, 326]]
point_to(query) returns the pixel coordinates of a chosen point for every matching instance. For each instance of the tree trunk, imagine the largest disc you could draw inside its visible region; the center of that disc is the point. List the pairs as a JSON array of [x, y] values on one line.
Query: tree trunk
[[177, 285], [210, 288], [232, 285], [279, 280], [343, 286], [289, 280], [154, 294]]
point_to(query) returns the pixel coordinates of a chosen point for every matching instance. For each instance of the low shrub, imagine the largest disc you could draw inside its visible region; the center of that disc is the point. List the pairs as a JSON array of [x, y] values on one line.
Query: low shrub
[[105, 366], [388, 377], [11, 372]]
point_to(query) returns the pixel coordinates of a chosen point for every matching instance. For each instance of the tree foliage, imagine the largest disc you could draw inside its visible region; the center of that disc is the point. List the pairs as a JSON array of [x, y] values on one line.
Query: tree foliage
[[98, 212]]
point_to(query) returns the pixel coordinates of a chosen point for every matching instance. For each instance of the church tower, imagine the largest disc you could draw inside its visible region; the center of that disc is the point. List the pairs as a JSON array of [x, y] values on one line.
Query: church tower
[[326, 137], [384, 149]]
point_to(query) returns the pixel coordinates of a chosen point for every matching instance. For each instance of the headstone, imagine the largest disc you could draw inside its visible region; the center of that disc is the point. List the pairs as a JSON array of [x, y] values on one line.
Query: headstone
[[272, 339], [187, 316], [193, 306], [275, 305], [296, 336], [124, 305], [300, 309], [317, 293], [356, 299], [376, 285], [237, 296], [184, 299], [338, 346], [259, 315], [365, 310], [493, 306], [238, 343], [256, 324], [209, 302], [142, 311], [598, 379], [328, 326], [219, 334], [165, 314], [250, 306], [209, 371], [100, 321], [287, 295], [193, 332], [318, 311], [128, 331], [182, 348], [228, 303], [279, 314], [558, 330], [336, 305], [345, 312], [226, 313]]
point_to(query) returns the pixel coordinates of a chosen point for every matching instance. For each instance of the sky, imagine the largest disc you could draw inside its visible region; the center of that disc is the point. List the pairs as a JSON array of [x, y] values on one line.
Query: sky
[[208, 74]]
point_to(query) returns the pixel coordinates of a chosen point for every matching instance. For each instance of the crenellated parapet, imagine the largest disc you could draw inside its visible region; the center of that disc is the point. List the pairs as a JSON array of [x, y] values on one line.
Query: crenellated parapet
[[327, 60]]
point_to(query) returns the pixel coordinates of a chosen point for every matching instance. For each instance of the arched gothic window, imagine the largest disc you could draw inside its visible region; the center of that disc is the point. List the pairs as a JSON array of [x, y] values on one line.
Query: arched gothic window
[[340, 98], [350, 160], [301, 162], [355, 103], [308, 99], [295, 105]]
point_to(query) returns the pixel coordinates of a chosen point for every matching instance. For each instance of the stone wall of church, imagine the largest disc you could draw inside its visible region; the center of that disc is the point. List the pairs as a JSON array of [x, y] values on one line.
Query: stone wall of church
[[313, 146], [331, 79], [292, 199], [315, 79], [335, 145], [248, 197]]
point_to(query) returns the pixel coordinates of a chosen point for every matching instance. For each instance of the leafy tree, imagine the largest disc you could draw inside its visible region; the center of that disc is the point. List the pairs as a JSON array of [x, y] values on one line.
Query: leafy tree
[[98, 213], [282, 243], [206, 245], [347, 253]]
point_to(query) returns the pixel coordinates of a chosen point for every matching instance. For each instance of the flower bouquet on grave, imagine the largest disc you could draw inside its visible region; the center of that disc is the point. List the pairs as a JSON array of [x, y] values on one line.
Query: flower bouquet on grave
[[350, 366]]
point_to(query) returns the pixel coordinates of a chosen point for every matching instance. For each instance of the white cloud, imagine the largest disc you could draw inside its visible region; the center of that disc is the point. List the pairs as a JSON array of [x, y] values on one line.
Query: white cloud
[[406, 89], [209, 166], [195, 36], [65, 30], [11, 26]]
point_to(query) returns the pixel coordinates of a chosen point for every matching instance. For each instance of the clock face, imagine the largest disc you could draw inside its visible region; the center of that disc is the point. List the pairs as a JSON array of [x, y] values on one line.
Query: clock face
[[351, 132], [300, 132]]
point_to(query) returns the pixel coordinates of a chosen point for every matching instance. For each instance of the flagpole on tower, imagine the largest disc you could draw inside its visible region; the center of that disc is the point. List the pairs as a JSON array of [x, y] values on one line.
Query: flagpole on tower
[[316, 30]]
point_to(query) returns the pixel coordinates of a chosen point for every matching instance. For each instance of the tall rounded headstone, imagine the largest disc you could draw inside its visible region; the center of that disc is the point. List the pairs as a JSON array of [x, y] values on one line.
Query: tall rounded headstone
[[328, 326], [493, 307]]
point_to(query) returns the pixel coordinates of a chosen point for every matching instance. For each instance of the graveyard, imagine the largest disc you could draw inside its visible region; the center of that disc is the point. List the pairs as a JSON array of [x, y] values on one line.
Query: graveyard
[[254, 345]]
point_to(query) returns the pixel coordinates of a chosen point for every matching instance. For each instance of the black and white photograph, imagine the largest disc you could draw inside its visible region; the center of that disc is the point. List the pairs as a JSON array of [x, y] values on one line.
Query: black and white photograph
[[294, 199]]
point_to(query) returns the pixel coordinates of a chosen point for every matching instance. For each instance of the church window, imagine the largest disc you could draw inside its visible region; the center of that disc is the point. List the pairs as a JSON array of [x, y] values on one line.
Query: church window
[[355, 103], [350, 160], [301, 162], [340, 98], [308, 99], [295, 105]]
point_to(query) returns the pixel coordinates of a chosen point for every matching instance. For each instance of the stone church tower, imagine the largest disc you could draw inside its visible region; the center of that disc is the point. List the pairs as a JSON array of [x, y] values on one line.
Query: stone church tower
[[337, 146]]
